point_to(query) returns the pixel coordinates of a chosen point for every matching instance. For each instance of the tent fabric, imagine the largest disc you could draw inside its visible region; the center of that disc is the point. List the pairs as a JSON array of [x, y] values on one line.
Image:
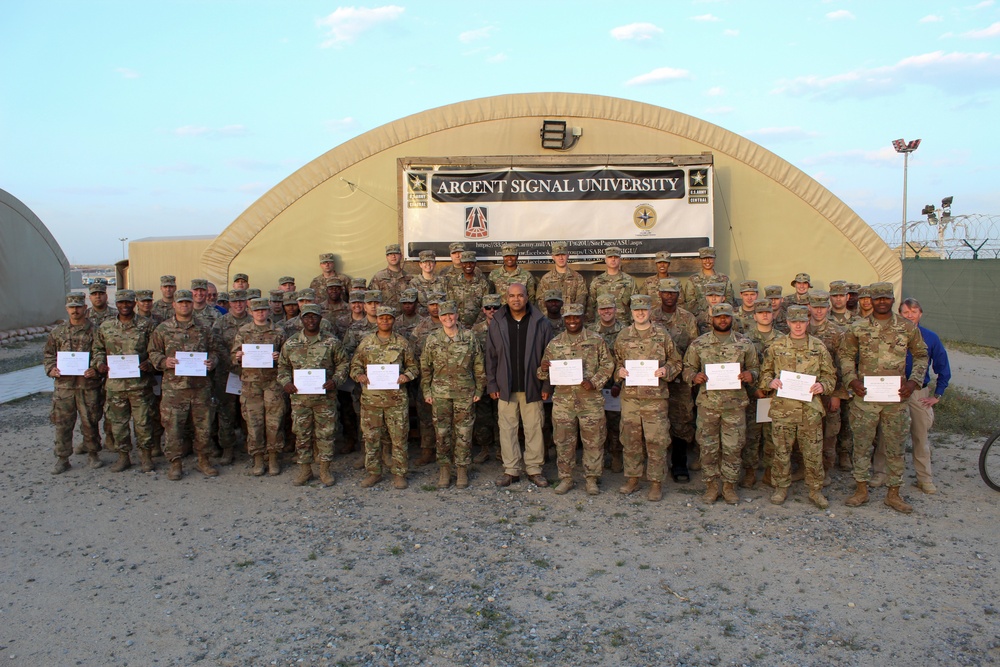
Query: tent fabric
[[771, 219], [30, 258], [179, 256]]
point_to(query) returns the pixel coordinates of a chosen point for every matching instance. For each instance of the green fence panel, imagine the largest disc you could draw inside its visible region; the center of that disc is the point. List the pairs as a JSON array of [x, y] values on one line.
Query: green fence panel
[[958, 296]]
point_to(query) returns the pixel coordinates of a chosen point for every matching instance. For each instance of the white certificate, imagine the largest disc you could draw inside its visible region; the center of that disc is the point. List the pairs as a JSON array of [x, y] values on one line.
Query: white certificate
[[234, 384], [257, 356], [383, 376], [882, 388], [566, 372], [309, 380], [191, 364], [123, 366], [72, 363], [763, 408], [612, 403], [640, 373], [796, 386], [723, 376]]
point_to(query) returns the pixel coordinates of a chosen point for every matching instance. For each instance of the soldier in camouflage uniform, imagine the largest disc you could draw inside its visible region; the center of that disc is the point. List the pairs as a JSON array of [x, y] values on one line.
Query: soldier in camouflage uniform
[[356, 332], [865, 305], [578, 409], [391, 280], [877, 346], [645, 409], [73, 395], [427, 282], [502, 276], [714, 295], [144, 308], [286, 283], [745, 311], [184, 397], [328, 270], [384, 410], [453, 378], [241, 281], [852, 297], [204, 314], [721, 412], [293, 325], [314, 416], [227, 418], [840, 312], [615, 282], [570, 283], [773, 294], [455, 271], [128, 399], [802, 283], [607, 327], [838, 303], [334, 305], [831, 333], [693, 289], [794, 420], [467, 291], [683, 328], [408, 319], [98, 313], [262, 399], [425, 415], [355, 314], [759, 435], [163, 309], [651, 285], [276, 302], [487, 427], [552, 306]]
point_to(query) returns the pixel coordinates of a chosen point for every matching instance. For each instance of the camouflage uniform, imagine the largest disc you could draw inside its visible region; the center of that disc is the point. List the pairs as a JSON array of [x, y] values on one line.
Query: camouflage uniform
[[622, 286], [425, 413], [683, 329], [314, 416], [759, 435], [227, 420], [128, 399], [331, 311], [424, 288], [612, 418], [73, 394], [99, 317], [262, 399], [391, 284], [384, 410], [405, 325], [162, 311], [318, 284], [468, 296], [452, 374], [574, 408], [487, 424], [502, 279], [207, 316], [293, 325], [693, 290], [831, 334], [571, 284]]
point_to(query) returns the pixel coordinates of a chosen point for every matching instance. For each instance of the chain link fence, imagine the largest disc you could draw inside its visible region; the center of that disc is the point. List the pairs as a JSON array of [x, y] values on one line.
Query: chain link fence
[[974, 236]]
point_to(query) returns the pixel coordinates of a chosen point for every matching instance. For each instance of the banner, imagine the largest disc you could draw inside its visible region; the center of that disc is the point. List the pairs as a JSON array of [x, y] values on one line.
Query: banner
[[640, 209]]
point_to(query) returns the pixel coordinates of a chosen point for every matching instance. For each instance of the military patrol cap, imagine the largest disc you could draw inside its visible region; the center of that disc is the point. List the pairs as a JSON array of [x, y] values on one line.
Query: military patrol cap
[[668, 285], [749, 286], [797, 314], [508, 249], [357, 296], [612, 251], [882, 290], [253, 293], [199, 283], [277, 295], [762, 306], [606, 301], [326, 257], [662, 256], [286, 280], [236, 295], [772, 291], [168, 281], [718, 289], [456, 247], [447, 307], [560, 248], [393, 249], [241, 276], [438, 297], [491, 301], [144, 295], [336, 281], [428, 256], [819, 298], [373, 295], [572, 310], [865, 291], [408, 296], [385, 310], [852, 288], [640, 302], [75, 299], [289, 297], [98, 287], [359, 283], [552, 295], [311, 309], [720, 309], [183, 295], [260, 304], [223, 297], [706, 252], [124, 295], [305, 293], [468, 256], [802, 278], [838, 287]]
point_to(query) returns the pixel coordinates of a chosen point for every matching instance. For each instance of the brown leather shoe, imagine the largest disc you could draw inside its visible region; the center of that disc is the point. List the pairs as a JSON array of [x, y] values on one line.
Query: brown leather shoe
[[564, 486], [896, 502], [507, 480], [305, 474], [655, 493], [711, 491], [779, 496], [592, 488], [860, 496], [538, 480], [399, 482], [729, 493], [817, 498], [206, 467]]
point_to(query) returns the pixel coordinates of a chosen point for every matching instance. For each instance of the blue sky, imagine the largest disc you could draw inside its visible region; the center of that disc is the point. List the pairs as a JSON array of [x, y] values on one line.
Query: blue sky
[[136, 119]]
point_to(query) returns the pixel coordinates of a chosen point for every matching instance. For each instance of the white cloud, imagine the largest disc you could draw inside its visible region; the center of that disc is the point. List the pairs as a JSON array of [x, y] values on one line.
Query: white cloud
[[711, 18], [498, 58], [883, 156], [346, 24], [730, 32], [931, 18], [340, 124], [992, 31], [637, 32], [659, 75], [715, 91], [982, 5], [227, 131], [475, 35], [719, 110], [775, 134], [127, 73], [839, 15]]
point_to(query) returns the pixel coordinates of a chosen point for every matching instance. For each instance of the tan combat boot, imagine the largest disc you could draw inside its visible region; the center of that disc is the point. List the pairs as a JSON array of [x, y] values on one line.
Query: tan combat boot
[[227, 457], [729, 493], [273, 463], [711, 491], [93, 460], [146, 460], [617, 464], [426, 456], [893, 500], [206, 467], [258, 465], [61, 466], [860, 496], [483, 456], [305, 474], [325, 475], [817, 498], [123, 463], [779, 495], [371, 480], [565, 484], [444, 477], [176, 471], [631, 486], [592, 488], [749, 478], [399, 482], [360, 463], [655, 494], [461, 477]]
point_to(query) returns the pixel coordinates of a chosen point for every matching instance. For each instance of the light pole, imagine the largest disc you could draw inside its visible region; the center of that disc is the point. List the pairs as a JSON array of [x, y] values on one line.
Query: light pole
[[123, 239], [905, 148]]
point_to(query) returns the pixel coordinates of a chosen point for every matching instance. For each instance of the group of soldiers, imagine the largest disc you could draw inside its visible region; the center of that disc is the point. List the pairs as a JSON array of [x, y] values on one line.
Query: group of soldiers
[[345, 359]]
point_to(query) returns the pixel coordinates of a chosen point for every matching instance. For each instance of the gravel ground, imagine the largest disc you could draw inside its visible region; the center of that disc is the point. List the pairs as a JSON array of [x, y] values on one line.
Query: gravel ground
[[130, 569]]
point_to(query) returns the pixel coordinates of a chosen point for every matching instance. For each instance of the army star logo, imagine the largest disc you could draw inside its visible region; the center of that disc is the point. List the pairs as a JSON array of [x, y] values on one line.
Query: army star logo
[[418, 183], [698, 177]]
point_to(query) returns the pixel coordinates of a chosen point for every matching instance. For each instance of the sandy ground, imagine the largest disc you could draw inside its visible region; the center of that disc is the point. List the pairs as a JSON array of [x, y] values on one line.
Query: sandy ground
[[975, 372], [130, 569]]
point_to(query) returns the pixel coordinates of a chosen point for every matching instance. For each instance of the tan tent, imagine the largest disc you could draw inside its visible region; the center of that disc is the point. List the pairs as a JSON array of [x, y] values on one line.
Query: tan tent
[[178, 256], [33, 264], [771, 220]]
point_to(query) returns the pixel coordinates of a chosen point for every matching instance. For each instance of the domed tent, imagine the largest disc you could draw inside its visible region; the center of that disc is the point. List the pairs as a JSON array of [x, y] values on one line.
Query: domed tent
[[771, 220], [33, 264]]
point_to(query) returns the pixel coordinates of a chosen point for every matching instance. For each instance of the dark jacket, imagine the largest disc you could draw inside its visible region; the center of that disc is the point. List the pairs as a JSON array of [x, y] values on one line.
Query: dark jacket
[[498, 367]]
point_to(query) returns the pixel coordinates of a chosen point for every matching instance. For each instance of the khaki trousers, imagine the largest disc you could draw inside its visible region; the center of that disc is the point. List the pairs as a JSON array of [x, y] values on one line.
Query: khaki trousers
[[511, 413]]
